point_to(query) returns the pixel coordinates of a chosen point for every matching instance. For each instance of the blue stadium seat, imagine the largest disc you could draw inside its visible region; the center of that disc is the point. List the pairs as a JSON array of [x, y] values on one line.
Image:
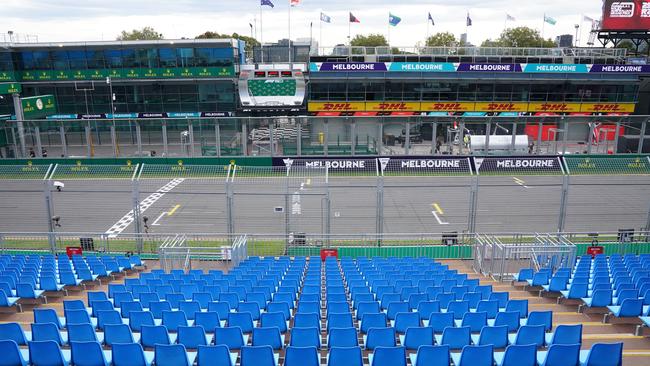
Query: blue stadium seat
[[27, 291], [517, 355], [157, 334], [47, 353], [602, 354], [379, 337], [628, 308], [174, 319], [346, 356], [388, 356], [268, 336], [119, 333], [215, 355], [370, 320], [48, 332], [440, 321], [279, 307], [544, 318], [496, 336], [396, 307], [528, 334], [12, 355], [173, 355], [89, 354], [274, 320], [416, 337], [523, 275], [84, 333], [306, 320], [104, 317], [209, 320], [233, 337], [139, 318], [342, 337], [258, 356], [193, 337], [476, 321], [508, 318], [431, 356], [565, 334], [14, 332], [455, 338], [301, 356], [559, 354], [474, 356], [305, 337]]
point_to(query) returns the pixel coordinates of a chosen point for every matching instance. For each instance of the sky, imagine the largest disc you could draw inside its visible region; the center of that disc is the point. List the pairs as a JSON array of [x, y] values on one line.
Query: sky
[[94, 20]]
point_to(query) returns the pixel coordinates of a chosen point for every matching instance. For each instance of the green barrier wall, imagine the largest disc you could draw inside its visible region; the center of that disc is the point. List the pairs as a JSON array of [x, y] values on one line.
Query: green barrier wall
[[243, 161], [437, 251], [614, 248]]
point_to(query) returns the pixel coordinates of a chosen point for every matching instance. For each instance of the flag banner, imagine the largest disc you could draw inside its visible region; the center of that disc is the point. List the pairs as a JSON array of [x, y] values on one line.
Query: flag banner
[[510, 18], [469, 20], [267, 3], [294, 2], [431, 19], [354, 19], [550, 20], [393, 19], [325, 18], [588, 19]]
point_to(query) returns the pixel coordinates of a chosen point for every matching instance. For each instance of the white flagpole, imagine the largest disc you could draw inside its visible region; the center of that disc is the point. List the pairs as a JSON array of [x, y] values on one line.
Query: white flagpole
[[388, 29], [425, 41], [543, 25], [289, 31], [261, 35], [320, 34]]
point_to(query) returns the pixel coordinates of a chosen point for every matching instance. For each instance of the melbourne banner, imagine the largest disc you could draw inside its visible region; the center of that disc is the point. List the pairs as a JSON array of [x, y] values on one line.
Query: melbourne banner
[[428, 67], [371, 165], [548, 165]]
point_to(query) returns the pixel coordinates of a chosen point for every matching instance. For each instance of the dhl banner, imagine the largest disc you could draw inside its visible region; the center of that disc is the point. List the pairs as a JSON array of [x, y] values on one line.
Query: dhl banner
[[447, 106], [552, 107], [608, 107], [500, 107], [393, 106]]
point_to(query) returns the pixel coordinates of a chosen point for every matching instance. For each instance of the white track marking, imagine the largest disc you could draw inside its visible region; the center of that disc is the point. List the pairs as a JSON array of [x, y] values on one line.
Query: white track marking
[[438, 218], [128, 219], [155, 223], [520, 182]]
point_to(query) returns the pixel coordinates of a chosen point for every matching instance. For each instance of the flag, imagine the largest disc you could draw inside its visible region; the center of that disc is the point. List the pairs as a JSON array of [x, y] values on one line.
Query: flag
[[393, 19], [549, 20], [325, 18], [431, 19], [587, 19], [251, 25], [469, 20], [267, 3], [294, 2], [354, 19], [510, 18]]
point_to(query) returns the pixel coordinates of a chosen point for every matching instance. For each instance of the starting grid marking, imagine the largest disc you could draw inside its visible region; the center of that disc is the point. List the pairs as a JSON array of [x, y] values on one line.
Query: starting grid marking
[[128, 219]]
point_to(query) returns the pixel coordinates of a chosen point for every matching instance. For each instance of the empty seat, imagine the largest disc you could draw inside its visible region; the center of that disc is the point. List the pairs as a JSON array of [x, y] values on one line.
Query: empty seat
[[416, 337], [380, 337], [559, 354], [305, 337], [602, 354], [301, 356], [233, 337], [193, 337], [517, 355], [14, 332], [157, 334], [565, 334], [47, 353], [347, 356], [173, 355], [431, 356], [258, 356], [48, 332], [12, 355], [215, 355], [89, 354], [342, 337], [474, 356], [496, 336], [455, 338], [388, 356]]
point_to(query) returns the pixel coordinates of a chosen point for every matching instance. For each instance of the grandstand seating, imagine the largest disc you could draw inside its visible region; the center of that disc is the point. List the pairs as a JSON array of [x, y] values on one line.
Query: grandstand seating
[[391, 310]]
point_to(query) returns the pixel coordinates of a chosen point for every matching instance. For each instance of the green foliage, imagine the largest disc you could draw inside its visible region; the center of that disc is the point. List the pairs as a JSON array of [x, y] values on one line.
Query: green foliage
[[442, 39], [520, 37], [250, 42], [371, 40], [146, 33]]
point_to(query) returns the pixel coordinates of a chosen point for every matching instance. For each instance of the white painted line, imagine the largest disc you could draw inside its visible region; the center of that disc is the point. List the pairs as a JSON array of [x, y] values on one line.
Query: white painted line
[[155, 223], [438, 218], [128, 219], [520, 182]]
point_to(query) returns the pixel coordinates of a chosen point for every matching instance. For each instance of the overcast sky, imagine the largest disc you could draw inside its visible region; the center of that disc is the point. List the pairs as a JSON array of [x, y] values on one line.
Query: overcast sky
[[91, 20]]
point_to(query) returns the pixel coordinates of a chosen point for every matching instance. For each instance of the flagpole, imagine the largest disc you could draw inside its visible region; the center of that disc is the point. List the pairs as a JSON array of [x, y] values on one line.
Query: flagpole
[[289, 31], [466, 30], [389, 30], [320, 34], [505, 23], [543, 25], [261, 35]]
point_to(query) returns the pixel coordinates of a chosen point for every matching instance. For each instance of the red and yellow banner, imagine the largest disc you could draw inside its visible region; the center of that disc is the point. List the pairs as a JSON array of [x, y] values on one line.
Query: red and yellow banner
[[498, 107]]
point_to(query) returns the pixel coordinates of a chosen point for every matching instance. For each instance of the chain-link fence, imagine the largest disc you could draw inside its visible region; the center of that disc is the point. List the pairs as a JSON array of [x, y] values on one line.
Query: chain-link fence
[[308, 198]]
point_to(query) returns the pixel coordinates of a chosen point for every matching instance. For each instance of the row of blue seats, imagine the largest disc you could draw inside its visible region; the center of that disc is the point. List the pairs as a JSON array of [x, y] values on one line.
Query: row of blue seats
[[132, 354]]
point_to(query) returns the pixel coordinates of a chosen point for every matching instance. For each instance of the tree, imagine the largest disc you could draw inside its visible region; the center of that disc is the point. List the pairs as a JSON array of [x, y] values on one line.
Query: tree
[[371, 40], [442, 39], [520, 37], [250, 42], [146, 33]]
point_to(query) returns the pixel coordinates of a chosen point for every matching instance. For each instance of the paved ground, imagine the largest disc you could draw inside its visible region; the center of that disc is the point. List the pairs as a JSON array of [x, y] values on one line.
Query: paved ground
[[411, 205]]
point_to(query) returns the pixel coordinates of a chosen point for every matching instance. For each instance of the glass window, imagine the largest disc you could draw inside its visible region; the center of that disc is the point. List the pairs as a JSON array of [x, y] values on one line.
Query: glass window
[[60, 60], [114, 59], [167, 57], [356, 90], [5, 61], [77, 59], [95, 59], [128, 58], [185, 57]]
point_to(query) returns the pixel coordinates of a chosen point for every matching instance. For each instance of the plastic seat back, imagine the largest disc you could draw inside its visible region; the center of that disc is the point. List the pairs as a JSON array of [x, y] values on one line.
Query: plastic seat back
[[567, 334], [432, 355], [418, 336], [257, 356], [605, 354], [45, 353], [496, 336], [171, 355], [342, 337], [87, 354], [174, 319], [380, 337], [477, 356], [508, 318], [214, 355], [81, 333], [517, 355], [14, 332], [385, 356], [152, 335], [46, 332], [562, 354], [301, 356], [11, 355], [349, 356], [305, 337], [530, 334], [209, 320], [191, 337], [274, 320], [118, 333], [229, 336], [456, 338]]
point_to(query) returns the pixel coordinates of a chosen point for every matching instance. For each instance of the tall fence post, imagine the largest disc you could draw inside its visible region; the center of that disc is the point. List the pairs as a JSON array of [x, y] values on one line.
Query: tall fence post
[[229, 201], [137, 219], [563, 202], [647, 224], [47, 193], [380, 199], [473, 203]]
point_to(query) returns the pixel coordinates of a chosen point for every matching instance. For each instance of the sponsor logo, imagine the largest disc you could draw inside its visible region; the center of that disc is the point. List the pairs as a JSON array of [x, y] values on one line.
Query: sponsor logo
[[586, 164], [393, 107], [637, 164], [355, 67], [554, 107], [526, 163], [489, 67], [337, 107], [556, 68], [430, 163], [447, 107], [39, 104], [645, 9], [30, 167], [622, 10], [607, 108], [502, 107], [336, 164], [622, 68]]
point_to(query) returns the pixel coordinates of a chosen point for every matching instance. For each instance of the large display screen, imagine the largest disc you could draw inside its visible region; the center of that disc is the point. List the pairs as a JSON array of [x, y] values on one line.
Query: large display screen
[[626, 15]]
